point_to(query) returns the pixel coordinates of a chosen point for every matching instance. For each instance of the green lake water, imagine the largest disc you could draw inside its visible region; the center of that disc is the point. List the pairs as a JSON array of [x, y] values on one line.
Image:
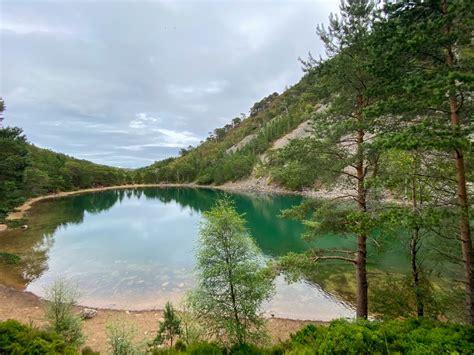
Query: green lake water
[[134, 248]]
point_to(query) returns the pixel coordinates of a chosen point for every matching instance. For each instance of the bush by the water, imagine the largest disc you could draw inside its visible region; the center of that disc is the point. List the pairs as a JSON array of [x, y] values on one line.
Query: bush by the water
[[17, 338], [60, 301], [412, 336], [9, 258]]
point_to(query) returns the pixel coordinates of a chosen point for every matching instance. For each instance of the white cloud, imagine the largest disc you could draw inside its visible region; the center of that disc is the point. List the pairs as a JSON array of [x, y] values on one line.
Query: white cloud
[[167, 139], [142, 120], [210, 88], [24, 28]]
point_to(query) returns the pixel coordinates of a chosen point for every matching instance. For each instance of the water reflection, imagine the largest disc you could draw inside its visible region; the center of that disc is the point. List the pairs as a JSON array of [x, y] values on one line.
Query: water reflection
[[133, 248]]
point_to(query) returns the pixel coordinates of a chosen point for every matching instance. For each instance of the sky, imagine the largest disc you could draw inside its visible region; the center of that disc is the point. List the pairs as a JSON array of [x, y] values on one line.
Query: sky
[[126, 83]]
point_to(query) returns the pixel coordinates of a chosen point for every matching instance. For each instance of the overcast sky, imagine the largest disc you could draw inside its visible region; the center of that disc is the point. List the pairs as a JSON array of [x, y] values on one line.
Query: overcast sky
[[126, 83]]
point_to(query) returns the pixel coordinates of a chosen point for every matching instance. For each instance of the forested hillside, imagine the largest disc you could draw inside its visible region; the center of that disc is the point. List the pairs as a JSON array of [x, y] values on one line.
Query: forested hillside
[[231, 152], [27, 171]]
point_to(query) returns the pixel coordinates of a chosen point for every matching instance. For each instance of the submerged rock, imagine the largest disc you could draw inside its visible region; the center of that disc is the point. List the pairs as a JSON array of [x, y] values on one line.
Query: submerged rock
[[88, 313]]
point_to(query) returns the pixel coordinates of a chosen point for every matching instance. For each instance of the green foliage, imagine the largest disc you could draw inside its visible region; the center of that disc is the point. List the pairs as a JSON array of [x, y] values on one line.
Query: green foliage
[[212, 162], [16, 338], [88, 351], [393, 297], [27, 171], [60, 301], [13, 161], [9, 258], [192, 330], [169, 328], [120, 337], [413, 336], [232, 282]]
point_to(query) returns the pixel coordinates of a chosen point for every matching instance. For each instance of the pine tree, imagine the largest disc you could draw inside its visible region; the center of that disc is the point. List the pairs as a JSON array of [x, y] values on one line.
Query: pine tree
[[344, 130], [170, 327], [425, 65]]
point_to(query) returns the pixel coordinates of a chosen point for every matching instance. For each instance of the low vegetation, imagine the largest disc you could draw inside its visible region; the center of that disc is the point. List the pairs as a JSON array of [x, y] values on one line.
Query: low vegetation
[[17, 338], [121, 339], [411, 336], [59, 313]]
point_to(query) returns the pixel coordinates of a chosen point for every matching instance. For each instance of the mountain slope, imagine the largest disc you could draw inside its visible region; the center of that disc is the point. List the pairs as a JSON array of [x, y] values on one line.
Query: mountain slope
[[234, 151]]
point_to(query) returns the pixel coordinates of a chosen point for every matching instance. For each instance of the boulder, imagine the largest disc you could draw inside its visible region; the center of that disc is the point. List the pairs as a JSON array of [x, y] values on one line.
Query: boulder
[[88, 313]]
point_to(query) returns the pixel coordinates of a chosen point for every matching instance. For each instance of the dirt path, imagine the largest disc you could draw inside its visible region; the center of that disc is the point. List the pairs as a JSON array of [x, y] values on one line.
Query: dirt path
[[26, 307]]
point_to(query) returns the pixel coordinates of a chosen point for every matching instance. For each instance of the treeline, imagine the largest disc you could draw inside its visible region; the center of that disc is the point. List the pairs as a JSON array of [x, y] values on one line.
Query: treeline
[[27, 171]]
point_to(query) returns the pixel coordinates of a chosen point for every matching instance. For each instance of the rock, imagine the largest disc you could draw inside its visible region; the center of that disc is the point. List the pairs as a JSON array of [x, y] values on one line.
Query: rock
[[88, 313], [3, 227], [25, 226]]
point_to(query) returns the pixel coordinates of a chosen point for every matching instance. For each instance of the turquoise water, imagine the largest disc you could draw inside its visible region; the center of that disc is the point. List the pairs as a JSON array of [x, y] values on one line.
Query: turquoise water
[[134, 248]]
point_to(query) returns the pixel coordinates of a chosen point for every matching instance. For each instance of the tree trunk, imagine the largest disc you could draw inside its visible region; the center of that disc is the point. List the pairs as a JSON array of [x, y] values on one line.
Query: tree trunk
[[420, 309], [465, 230], [414, 245], [466, 241], [361, 258], [232, 295], [361, 275], [463, 201]]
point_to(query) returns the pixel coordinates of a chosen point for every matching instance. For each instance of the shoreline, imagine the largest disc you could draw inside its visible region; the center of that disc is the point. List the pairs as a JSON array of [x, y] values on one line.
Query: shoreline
[[245, 186], [26, 307], [20, 211]]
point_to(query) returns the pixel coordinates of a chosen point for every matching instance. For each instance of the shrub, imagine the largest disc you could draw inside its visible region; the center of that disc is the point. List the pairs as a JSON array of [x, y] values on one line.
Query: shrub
[[61, 299], [120, 337], [205, 349], [413, 336], [16, 223], [9, 258], [17, 338], [201, 348], [170, 327]]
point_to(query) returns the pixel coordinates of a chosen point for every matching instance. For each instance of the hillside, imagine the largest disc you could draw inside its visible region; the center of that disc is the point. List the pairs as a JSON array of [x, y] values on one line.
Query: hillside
[[237, 150], [31, 171]]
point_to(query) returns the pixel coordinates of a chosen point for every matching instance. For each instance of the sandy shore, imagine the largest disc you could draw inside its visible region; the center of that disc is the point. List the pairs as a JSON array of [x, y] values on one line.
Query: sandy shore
[[26, 307]]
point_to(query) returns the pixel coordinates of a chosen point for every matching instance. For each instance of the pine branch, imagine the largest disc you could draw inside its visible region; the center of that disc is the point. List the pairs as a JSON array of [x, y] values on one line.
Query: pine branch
[[333, 257]]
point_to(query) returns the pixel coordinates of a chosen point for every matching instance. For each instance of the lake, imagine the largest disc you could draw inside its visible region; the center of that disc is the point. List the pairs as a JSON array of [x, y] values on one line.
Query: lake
[[134, 248]]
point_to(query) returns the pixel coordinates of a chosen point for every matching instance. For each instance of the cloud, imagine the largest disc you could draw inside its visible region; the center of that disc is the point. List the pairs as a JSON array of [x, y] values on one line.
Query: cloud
[[150, 76], [166, 138], [23, 28], [142, 120], [210, 88]]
